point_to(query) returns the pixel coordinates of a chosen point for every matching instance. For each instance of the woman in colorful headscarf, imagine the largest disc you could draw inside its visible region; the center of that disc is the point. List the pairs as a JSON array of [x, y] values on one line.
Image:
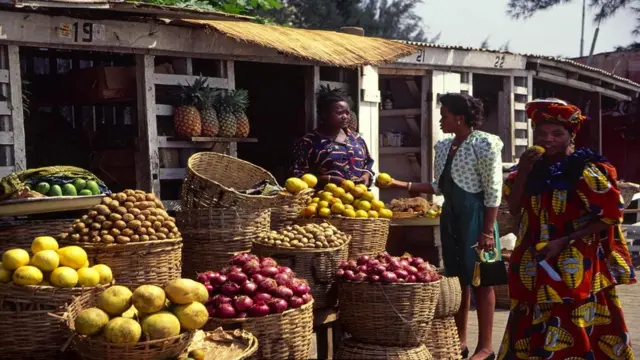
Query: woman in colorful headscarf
[[567, 259]]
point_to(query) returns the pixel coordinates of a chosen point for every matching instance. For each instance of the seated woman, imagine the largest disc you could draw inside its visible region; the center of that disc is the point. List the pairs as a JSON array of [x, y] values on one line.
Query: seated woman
[[567, 261], [332, 152]]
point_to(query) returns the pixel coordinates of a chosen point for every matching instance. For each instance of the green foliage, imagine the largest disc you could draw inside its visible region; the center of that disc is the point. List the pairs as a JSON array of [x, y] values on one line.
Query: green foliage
[[238, 7]]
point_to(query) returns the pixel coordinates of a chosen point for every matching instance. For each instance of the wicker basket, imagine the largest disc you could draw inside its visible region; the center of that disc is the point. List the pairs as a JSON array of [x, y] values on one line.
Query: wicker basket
[[507, 223], [503, 301], [287, 208], [212, 236], [139, 263], [212, 179], [443, 341], [317, 266], [391, 315], [627, 191], [281, 336], [96, 349], [20, 233], [36, 297], [352, 350], [450, 297]]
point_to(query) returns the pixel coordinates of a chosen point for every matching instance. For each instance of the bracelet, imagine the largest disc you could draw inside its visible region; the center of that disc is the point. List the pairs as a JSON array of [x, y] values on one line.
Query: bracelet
[[487, 236], [409, 187], [329, 179]]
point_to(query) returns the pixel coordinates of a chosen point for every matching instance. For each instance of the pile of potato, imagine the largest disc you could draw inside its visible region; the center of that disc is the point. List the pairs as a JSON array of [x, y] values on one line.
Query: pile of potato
[[128, 216], [312, 235]]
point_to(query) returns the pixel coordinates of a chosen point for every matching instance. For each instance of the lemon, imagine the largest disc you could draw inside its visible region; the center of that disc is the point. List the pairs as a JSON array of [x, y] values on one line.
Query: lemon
[[315, 200], [357, 192], [64, 277], [310, 179], [46, 260], [326, 196], [347, 198], [27, 275], [295, 185], [149, 298], [15, 258], [538, 148], [384, 179], [44, 243], [377, 205], [372, 214], [88, 277], [337, 208], [161, 325], [323, 204], [324, 212], [86, 264], [385, 213], [309, 211], [349, 213], [91, 321], [5, 275], [337, 192], [362, 187], [72, 256], [356, 203], [115, 300], [330, 186], [335, 201], [191, 316], [349, 207], [362, 214], [106, 277], [121, 330], [368, 196], [364, 205], [347, 185]]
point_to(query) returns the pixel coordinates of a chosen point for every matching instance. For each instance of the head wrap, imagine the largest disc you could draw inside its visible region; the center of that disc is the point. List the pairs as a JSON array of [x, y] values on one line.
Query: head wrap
[[555, 111]]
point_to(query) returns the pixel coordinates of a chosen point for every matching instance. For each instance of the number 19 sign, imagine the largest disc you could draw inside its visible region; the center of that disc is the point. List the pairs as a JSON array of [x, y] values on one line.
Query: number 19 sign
[[82, 32]]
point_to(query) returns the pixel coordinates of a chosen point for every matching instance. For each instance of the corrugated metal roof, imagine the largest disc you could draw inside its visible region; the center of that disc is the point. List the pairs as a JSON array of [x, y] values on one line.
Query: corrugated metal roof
[[534, 56]]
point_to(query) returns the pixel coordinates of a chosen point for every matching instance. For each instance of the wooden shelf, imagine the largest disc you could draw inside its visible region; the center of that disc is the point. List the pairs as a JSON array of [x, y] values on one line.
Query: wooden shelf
[[400, 112], [172, 173], [172, 142], [396, 150], [213, 139]]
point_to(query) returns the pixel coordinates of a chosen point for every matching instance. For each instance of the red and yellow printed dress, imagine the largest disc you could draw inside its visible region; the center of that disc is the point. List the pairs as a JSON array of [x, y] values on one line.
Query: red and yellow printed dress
[[579, 317]]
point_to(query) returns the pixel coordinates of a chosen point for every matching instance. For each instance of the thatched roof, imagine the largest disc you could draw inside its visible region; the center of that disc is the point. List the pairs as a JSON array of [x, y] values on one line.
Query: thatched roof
[[328, 47]]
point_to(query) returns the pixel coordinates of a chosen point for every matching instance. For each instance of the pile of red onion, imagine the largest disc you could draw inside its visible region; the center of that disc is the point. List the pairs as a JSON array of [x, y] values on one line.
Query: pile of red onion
[[388, 269], [253, 287]]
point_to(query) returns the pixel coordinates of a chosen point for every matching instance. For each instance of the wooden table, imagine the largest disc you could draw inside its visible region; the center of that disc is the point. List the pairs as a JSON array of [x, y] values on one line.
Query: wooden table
[[418, 236], [328, 332]]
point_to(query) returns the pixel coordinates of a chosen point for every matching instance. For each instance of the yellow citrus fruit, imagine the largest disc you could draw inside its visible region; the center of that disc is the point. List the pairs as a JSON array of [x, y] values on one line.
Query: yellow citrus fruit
[[357, 192], [106, 277], [72, 256], [191, 316], [432, 213], [91, 321], [368, 196], [363, 187], [385, 213], [330, 186], [384, 179], [115, 300], [315, 200], [309, 211], [310, 179], [538, 148], [377, 205], [326, 196], [337, 192], [349, 213], [46, 260], [295, 185], [27, 275], [324, 212], [364, 205], [5, 275], [348, 206], [372, 214], [337, 208], [335, 201], [44, 243], [356, 203], [64, 277], [323, 204], [15, 258], [121, 330], [362, 214], [88, 277], [347, 185], [347, 198], [86, 264]]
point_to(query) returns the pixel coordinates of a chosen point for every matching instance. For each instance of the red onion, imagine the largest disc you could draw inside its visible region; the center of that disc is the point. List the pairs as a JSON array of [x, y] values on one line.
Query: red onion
[[374, 278], [363, 259], [203, 278], [230, 288], [379, 269], [211, 309], [343, 264], [300, 287], [351, 265], [251, 267], [417, 261], [360, 277], [269, 271], [307, 298], [225, 311], [388, 277], [422, 267], [411, 270], [278, 305], [295, 302], [209, 288], [401, 274], [362, 269], [230, 269], [262, 296], [283, 279], [221, 299], [283, 292], [411, 279], [394, 265], [259, 309], [238, 277], [241, 315], [372, 263], [217, 279], [243, 303], [249, 288], [340, 273], [404, 263], [285, 270], [257, 278], [268, 262], [268, 285], [423, 277], [349, 275], [383, 256], [239, 259]]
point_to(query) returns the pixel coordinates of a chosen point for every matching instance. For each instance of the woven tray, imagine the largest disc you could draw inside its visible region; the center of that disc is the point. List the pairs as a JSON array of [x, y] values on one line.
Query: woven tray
[[317, 266], [281, 336], [390, 315], [443, 341], [351, 350], [134, 264], [450, 297], [20, 233], [286, 208], [211, 180], [216, 344]]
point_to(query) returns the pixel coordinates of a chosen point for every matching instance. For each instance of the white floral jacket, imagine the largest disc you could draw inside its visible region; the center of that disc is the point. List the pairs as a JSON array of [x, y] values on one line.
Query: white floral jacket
[[476, 167]]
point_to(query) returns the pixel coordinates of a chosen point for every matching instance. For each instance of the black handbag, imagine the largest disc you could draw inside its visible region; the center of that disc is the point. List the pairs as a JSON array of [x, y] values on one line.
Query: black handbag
[[489, 271]]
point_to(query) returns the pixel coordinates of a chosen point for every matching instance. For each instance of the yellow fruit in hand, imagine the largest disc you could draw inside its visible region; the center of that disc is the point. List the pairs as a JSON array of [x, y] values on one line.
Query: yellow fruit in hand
[[337, 208], [377, 205], [368, 196], [309, 211], [295, 185], [541, 245], [310, 179], [384, 179], [324, 212], [64, 277], [15, 258], [326, 196], [364, 205], [538, 148], [330, 187], [386, 213], [106, 277], [27, 275], [323, 204], [88, 277], [362, 214], [337, 192], [72, 256], [44, 243], [372, 214], [46, 260], [347, 185], [350, 213], [347, 198], [5, 275]]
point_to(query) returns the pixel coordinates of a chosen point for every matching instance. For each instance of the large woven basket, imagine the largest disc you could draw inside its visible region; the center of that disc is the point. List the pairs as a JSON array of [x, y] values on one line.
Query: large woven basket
[[212, 236], [317, 266], [352, 350], [281, 336], [443, 341], [214, 179], [20, 233], [134, 264], [450, 297], [391, 315], [627, 191], [287, 207], [96, 349], [507, 223], [503, 301]]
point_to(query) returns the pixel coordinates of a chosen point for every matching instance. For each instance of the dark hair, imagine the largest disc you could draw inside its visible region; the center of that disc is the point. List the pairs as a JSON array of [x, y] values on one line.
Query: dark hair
[[326, 99], [464, 105]]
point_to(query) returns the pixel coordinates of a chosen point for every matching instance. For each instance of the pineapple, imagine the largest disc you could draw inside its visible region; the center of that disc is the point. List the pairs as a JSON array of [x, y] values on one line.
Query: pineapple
[[210, 124], [228, 122], [240, 104], [186, 117], [353, 119]]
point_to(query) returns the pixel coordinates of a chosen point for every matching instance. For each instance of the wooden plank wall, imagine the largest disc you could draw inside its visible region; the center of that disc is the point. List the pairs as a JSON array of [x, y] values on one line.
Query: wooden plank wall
[[12, 136]]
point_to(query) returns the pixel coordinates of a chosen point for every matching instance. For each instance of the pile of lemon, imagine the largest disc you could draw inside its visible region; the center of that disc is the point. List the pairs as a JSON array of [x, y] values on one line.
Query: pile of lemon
[[348, 200], [295, 185], [50, 265]]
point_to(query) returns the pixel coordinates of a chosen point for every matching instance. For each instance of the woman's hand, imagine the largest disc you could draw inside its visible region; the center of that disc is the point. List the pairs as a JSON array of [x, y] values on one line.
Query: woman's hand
[[486, 242], [326, 179], [527, 160], [365, 179], [553, 249]]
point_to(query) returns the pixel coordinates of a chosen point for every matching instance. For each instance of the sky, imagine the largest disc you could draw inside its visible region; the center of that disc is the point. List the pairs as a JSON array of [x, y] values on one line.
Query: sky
[[554, 32]]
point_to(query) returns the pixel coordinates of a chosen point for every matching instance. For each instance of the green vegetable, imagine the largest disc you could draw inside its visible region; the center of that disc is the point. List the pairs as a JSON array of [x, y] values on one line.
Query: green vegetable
[[93, 186], [80, 184], [56, 190], [69, 190], [85, 192], [43, 188]]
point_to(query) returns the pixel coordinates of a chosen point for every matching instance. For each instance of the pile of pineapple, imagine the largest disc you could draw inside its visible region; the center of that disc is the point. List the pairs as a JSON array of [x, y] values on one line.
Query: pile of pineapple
[[207, 111]]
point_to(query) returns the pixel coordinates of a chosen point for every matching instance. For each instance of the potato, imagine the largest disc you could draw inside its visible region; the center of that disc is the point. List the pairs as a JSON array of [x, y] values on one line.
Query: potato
[[96, 226], [141, 218], [123, 240], [128, 205], [115, 217], [114, 232], [134, 211], [121, 210], [128, 217], [102, 210], [96, 239], [75, 237], [120, 225], [107, 225], [134, 224], [92, 214], [100, 219], [128, 232], [108, 239], [135, 238], [144, 238]]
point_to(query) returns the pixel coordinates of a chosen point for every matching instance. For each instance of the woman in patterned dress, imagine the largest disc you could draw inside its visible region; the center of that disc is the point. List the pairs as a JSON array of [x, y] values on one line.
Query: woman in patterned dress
[[333, 152], [567, 260], [468, 172]]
